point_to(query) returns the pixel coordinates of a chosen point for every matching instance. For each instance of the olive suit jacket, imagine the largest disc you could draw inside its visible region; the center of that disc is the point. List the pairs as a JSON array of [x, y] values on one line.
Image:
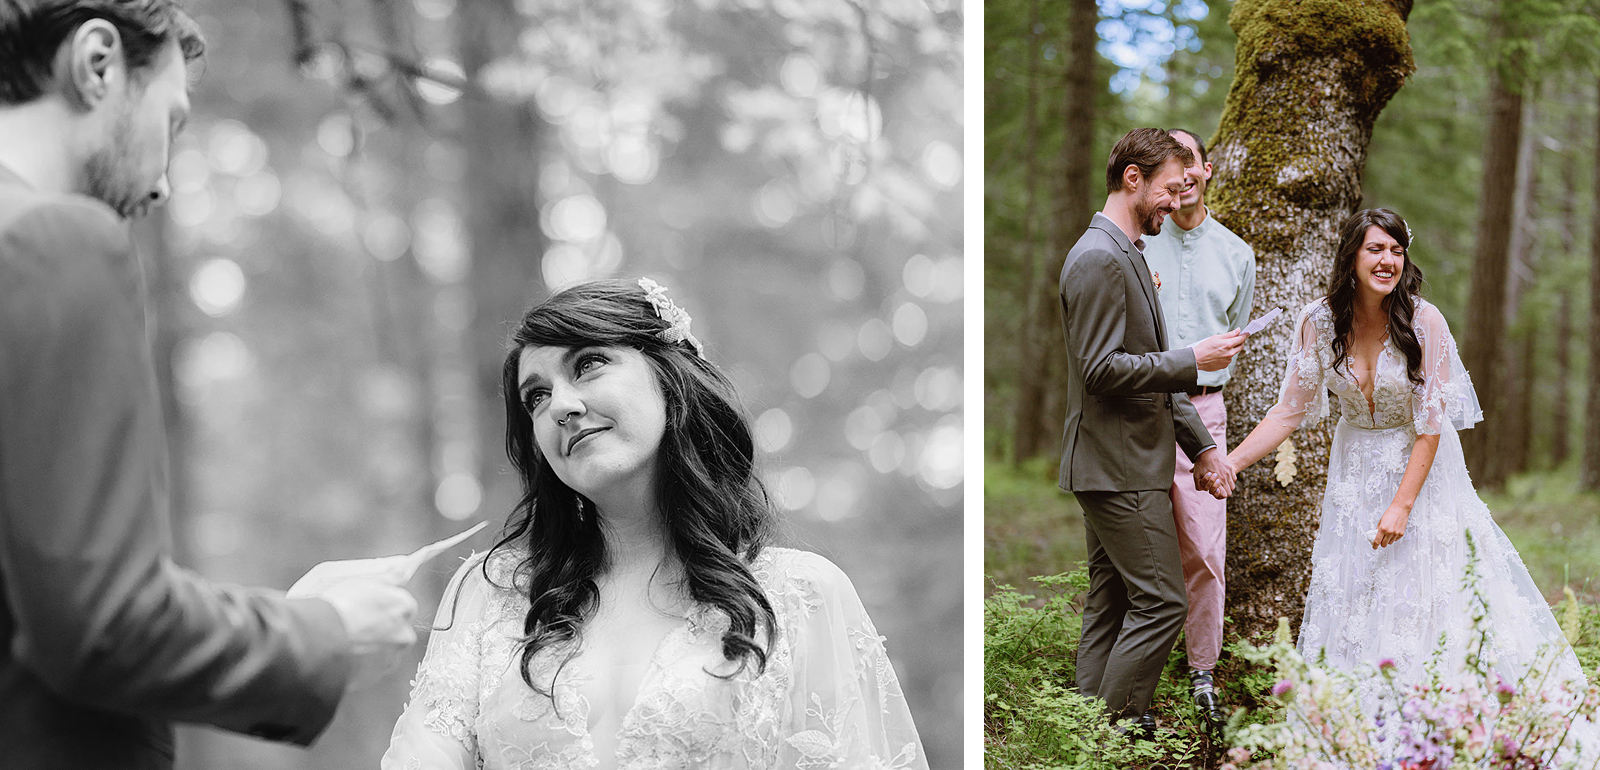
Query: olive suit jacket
[[103, 640], [1126, 403]]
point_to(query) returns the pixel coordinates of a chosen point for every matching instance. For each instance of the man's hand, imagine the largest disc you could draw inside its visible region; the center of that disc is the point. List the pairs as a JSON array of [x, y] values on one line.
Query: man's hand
[[371, 598], [1214, 353], [1213, 473], [377, 616]]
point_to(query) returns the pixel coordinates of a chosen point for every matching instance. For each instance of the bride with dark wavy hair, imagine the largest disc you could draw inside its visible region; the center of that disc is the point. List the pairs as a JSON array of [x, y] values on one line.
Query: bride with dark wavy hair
[[1400, 520], [634, 614]]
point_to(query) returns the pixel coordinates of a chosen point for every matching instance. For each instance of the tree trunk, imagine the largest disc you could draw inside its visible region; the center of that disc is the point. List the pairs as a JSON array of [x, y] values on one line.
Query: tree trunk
[[1484, 348], [1289, 156], [1516, 380], [1039, 415], [1560, 437], [1590, 476], [1029, 431], [503, 142]]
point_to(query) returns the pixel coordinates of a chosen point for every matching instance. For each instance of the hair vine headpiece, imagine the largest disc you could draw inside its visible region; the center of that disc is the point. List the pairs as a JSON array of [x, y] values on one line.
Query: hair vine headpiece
[[1409, 240], [677, 319]]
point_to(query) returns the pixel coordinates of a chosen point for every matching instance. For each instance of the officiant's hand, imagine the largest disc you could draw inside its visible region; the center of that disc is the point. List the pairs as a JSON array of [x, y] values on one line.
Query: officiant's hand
[[1214, 353], [1213, 473], [377, 617]]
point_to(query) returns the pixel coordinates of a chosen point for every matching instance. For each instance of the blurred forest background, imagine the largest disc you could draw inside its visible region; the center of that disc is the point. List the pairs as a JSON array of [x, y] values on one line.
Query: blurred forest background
[[1488, 150], [370, 191]]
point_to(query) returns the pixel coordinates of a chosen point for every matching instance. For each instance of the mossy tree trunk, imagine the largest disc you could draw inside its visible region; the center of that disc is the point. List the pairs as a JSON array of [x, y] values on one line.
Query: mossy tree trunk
[[1311, 78], [1041, 408]]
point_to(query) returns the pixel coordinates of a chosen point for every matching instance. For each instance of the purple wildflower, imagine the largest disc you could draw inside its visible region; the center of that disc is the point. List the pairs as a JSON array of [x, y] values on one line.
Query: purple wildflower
[[1282, 687]]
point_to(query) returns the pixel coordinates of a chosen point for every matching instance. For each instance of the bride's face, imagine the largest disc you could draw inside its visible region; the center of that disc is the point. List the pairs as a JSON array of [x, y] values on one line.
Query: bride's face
[[1379, 263], [598, 416]]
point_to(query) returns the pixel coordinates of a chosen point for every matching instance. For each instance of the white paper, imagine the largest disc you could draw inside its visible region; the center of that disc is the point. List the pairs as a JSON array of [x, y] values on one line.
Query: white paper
[[394, 570], [1261, 323]]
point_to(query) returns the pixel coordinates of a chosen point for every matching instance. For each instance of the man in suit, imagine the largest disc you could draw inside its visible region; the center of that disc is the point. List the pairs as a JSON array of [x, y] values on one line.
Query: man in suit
[[1126, 405], [103, 640]]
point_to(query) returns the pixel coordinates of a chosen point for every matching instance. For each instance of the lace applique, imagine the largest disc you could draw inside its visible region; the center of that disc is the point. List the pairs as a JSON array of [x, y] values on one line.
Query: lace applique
[[683, 716]]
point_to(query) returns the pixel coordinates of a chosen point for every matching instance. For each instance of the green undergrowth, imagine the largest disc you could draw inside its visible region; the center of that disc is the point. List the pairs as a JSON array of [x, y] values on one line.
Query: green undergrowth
[[1034, 719]]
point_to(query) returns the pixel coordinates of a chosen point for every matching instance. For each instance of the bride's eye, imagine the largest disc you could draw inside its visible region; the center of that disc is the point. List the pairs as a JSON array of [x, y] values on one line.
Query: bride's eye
[[588, 363]]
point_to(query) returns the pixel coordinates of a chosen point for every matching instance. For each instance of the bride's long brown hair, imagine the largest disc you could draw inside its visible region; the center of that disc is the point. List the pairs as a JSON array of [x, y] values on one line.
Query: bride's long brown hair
[[1401, 303]]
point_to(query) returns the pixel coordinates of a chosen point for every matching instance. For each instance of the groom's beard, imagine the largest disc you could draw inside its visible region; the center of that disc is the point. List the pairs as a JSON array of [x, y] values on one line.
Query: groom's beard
[[1147, 215]]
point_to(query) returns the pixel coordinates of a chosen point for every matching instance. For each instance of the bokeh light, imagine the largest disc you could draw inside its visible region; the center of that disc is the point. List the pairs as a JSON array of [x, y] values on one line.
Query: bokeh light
[[217, 287]]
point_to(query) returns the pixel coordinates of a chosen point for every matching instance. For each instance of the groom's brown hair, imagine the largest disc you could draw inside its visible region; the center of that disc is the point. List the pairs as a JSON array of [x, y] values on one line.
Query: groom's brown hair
[[32, 31], [1146, 148]]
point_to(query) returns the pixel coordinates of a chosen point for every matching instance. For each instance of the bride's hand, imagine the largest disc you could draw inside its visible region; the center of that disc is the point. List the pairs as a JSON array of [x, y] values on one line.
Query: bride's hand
[[1391, 527]]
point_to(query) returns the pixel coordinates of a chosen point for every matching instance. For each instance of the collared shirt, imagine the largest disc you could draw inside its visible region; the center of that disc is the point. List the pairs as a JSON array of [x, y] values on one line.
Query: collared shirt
[[1208, 281]]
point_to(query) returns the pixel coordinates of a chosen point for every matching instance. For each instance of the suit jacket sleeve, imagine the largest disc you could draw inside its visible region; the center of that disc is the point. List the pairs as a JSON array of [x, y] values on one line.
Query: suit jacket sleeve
[[1189, 428], [102, 615], [1094, 297]]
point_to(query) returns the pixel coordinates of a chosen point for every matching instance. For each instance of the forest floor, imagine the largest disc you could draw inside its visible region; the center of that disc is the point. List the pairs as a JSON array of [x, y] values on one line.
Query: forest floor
[[1032, 529]]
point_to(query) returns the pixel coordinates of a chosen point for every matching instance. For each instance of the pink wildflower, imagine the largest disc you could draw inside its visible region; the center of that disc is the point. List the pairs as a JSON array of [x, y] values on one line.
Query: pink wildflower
[[1282, 687]]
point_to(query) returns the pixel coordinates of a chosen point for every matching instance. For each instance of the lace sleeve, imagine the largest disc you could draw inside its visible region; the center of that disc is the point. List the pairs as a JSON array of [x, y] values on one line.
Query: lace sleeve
[[845, 704], [1446, 393], [1304, 392], [436, 728]]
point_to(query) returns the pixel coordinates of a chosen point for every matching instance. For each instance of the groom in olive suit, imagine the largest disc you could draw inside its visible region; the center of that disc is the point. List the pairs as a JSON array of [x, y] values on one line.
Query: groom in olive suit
[[104, 641], [1125, 408]]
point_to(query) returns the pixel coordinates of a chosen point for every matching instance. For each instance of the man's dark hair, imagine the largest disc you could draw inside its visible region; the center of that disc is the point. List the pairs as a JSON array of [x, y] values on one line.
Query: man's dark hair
[[32, 32], [1146, 148], [1198, 142]]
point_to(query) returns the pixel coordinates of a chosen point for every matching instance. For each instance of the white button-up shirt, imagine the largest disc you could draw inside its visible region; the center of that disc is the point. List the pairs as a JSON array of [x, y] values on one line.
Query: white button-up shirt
[[1208, 282]]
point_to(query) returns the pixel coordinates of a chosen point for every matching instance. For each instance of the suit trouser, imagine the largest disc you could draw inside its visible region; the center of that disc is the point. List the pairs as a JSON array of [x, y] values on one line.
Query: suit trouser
[[1202, 543], [1136, 603]]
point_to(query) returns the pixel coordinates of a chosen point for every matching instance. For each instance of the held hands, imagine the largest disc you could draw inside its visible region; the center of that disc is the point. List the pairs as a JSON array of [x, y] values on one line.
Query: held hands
[[1214, 353], [370, 597], [1214, 473], [1391, 527]]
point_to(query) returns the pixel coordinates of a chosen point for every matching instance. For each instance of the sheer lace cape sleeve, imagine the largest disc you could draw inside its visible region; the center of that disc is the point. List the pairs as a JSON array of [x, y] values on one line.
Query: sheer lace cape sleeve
[[844, 705], [436, 728], [1446, 396], [1304, 392]]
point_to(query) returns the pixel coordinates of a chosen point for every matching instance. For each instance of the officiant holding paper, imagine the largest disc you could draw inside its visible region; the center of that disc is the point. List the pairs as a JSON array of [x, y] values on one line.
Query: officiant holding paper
[[1207, 283]]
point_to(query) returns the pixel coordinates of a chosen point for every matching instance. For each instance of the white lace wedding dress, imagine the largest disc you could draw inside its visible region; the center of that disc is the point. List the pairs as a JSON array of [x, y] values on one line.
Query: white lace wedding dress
[[1365, 605], [828, 698]]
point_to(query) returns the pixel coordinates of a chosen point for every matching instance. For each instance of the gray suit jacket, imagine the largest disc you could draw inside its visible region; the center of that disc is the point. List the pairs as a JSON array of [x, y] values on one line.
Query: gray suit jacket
[[1125, 399], [103, 640]]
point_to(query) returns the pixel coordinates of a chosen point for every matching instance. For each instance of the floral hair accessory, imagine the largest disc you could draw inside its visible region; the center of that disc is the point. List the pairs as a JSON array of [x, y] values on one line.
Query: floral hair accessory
[[1409, 240], [677, 319]]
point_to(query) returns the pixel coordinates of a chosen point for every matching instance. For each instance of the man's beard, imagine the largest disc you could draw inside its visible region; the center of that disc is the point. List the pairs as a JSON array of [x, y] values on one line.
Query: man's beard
[[1147, 215], [108, 174]]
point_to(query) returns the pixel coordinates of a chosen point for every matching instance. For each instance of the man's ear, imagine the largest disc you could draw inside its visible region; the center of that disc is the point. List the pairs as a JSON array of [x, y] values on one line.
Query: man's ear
[[95, 63], [1207, 167], [1131, 177]]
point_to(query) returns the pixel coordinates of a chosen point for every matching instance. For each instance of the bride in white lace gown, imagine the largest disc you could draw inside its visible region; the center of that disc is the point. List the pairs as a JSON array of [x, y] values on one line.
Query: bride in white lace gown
[[633, 616], [1391, 551]]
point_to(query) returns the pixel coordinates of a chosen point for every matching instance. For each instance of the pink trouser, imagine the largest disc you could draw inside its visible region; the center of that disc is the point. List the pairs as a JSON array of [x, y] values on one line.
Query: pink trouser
[[1202, 543]]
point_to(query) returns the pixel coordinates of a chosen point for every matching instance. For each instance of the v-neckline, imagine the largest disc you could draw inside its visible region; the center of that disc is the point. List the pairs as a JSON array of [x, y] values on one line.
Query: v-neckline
[[653, 671], [1372, 399]]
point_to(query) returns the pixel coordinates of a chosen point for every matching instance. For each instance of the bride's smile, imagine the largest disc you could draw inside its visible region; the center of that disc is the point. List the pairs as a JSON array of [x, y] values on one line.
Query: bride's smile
[[1380, 262], [598, 415]]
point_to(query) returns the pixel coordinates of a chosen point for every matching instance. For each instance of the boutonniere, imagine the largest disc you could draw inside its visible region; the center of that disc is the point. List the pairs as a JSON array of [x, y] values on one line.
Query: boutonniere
[[1155, 278]]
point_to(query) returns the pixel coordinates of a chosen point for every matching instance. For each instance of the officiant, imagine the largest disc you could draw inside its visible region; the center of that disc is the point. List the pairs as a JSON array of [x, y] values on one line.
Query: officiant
[[1206, 283]]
